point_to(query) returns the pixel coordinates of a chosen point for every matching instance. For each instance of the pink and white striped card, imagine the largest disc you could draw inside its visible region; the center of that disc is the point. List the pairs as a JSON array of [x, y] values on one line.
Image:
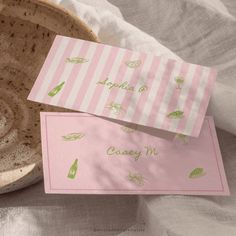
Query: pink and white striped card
[[136, 160], [121, 84]]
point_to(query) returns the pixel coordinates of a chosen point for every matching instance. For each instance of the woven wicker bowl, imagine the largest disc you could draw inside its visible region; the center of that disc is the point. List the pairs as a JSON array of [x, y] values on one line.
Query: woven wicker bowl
[[27, 30]]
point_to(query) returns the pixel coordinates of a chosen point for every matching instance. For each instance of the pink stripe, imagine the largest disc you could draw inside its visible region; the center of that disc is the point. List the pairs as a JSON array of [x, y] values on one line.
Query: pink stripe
[[173, 103], [160, 92], [191, 98], [204, 103], [73, 75], [46, 66], [127, 100], [89, 76], [59, 70], [105, 72], [119, 78], [144, 96]]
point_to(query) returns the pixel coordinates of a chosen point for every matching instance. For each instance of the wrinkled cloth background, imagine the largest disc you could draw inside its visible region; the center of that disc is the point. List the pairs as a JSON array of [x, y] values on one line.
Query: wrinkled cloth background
[[202, 32]]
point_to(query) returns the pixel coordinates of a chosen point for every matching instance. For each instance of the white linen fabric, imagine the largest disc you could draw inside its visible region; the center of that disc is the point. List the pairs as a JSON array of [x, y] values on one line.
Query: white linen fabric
[[202, 32]]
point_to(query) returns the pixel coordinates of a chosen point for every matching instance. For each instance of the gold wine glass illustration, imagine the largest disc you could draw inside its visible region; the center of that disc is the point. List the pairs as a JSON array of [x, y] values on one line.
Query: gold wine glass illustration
[[179, 81]]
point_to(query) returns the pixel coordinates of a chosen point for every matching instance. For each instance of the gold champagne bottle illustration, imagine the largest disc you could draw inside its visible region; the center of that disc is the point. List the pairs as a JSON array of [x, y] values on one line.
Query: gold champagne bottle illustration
[[73, 169], [56, 90]]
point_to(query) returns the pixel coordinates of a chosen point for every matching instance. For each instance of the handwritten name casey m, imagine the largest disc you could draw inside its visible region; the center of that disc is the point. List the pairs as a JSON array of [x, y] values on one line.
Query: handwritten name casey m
[[136, 154]]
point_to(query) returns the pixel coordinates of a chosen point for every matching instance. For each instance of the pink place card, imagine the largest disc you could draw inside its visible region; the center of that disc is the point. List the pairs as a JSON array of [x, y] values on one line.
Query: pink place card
[[121, 84], [85, 154]]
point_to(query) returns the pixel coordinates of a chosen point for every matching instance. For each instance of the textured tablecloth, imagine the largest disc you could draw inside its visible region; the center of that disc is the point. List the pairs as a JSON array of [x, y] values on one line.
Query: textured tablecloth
[[202, 32]]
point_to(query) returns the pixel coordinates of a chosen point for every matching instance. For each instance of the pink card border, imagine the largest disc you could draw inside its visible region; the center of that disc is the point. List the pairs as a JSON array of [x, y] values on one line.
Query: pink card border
[[49, 189]]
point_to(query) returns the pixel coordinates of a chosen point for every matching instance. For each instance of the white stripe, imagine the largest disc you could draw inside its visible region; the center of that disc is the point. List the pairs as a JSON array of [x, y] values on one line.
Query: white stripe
[[171, 88], [102, 101], [146, 112], [52, 69], [68, 68], [97, 73], [141, 82], [197, 100], [126, 77], [184, 94], [80, 77]]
